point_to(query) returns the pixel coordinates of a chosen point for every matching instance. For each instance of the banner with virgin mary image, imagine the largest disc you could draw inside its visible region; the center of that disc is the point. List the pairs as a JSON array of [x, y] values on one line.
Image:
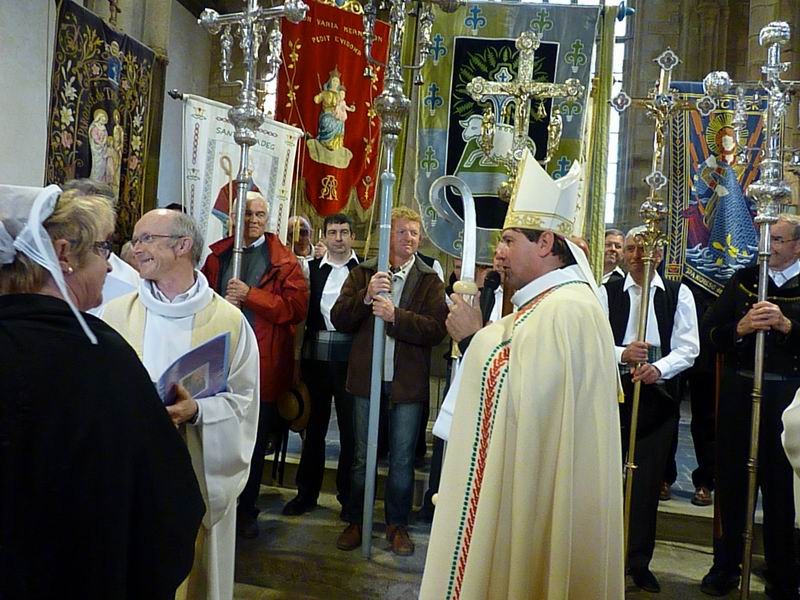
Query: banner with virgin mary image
[[711, 233], [99, 109], [327, 88]]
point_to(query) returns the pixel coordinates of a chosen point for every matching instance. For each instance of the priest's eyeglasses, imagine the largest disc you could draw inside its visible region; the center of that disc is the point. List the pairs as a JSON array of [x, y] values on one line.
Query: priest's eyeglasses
[[149, 238], [103, 248]]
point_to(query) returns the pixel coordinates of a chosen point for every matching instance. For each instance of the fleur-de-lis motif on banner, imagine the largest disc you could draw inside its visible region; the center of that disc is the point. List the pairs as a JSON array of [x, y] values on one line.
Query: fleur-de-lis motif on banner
[[438, 49], [475, 20], [563, 167], [576, 57], [542, 22], [503, 75], [433, 100], [431, 215], [458, 243], [429, 162], [570, 108]]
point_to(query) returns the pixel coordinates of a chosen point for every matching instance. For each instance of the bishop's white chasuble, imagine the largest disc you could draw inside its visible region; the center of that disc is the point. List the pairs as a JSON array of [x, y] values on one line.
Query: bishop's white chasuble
[[530, 501]]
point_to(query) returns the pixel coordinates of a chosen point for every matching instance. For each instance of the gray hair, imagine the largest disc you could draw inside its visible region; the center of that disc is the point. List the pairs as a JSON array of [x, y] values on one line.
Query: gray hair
[[184, 226], [793, 220], [92, 187], [613, 231], [639, 230], [633, 232]]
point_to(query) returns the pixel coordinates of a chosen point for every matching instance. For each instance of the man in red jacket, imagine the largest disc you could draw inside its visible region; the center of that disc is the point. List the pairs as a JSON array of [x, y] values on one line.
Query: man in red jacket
[[273, 294]]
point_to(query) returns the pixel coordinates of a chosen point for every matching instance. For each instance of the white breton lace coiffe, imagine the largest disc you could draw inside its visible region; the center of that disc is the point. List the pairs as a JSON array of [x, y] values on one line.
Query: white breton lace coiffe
[[34, 242]]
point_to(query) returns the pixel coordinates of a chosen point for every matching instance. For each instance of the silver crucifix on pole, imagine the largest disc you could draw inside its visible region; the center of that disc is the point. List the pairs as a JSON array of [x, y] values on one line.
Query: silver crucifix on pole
[[770, 194], [251, 26], [506, 142]]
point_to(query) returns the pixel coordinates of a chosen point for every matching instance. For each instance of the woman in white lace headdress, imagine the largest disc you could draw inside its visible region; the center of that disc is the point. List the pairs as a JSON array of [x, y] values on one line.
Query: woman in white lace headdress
[[96, 486]]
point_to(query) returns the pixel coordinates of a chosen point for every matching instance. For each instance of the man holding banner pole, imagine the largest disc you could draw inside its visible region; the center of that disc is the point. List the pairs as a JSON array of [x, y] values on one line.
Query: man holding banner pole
[[408, 300]]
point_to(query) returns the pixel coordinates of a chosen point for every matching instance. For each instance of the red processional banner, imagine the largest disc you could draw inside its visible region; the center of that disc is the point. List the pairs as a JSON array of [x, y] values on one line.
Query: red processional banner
[[328, 89]]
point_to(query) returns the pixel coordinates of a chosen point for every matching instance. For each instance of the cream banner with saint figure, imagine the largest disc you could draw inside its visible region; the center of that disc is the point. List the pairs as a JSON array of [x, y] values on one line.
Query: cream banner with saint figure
[[211, 163]]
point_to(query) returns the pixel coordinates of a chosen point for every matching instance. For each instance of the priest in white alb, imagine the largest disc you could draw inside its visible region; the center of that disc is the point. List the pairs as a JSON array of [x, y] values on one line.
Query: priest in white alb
[[173, 311], [530, 501]]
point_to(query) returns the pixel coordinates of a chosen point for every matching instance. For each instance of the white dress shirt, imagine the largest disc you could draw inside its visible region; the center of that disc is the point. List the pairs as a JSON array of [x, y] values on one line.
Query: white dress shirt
[[685, 340], [608, 275], [497, 309], [333, 286], [781, 277]]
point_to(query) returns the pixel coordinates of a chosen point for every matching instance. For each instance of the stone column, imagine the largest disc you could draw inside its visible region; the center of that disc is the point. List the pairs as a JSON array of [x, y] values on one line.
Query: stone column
[[656, 26]]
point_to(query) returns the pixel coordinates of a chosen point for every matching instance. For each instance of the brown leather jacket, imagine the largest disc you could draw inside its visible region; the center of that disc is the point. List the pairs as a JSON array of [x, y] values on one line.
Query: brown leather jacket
[[418, 326]]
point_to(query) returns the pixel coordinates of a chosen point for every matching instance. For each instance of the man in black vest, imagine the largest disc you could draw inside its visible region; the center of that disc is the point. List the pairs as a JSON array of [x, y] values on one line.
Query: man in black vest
[[670, 346], [731, 323], [324, 368]]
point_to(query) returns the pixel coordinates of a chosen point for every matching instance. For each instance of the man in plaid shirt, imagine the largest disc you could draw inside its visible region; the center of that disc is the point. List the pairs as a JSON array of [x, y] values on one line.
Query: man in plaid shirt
[[324, 369]]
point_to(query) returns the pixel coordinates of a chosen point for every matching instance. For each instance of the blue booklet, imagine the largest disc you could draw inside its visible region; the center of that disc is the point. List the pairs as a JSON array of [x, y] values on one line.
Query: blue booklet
[[203, 371]]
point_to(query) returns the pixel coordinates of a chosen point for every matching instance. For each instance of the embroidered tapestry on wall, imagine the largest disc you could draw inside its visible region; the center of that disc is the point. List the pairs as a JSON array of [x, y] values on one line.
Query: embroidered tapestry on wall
[[99, 109]]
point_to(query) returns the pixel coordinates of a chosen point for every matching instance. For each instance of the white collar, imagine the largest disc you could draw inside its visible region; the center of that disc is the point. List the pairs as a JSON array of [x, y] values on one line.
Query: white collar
[[549, 280], [402, 272], [789, 272], [259, 242], [656, 281], [188, 303], [325, 260]]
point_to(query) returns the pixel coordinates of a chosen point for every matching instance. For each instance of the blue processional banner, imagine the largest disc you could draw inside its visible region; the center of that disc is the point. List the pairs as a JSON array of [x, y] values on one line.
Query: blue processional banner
[[479, 41], [711, 233]]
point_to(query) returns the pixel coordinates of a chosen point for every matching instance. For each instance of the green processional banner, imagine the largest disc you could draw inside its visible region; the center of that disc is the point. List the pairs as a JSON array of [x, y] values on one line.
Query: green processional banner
[[479, 41], [99, 109]]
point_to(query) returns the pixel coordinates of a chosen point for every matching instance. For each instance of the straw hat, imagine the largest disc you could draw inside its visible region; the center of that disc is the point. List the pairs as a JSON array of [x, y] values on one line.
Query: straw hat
[[294, 407]]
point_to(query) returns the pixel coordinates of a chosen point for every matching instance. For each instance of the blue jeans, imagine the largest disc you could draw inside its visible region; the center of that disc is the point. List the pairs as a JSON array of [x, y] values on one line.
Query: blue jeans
[[403, 420]]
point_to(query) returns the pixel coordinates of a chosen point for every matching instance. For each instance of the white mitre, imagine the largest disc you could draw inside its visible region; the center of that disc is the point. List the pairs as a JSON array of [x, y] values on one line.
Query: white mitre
[[540, 202]]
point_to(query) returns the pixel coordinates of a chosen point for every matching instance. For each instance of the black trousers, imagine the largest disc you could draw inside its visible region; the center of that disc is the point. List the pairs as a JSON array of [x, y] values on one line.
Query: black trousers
[[700, 385], [774, 478], [658, 414], [268, 427], [326, 380], [701, 395]]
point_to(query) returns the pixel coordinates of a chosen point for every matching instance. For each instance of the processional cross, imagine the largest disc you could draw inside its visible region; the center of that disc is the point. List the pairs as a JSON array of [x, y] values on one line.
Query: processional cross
[[771, 193], [253, 25], [661, 105], [508, 145]]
